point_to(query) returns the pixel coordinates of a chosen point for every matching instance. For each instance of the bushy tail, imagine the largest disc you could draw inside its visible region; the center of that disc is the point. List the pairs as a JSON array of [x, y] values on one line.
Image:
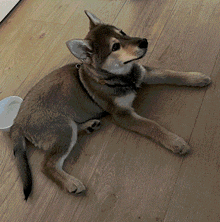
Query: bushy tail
[[22, 161]]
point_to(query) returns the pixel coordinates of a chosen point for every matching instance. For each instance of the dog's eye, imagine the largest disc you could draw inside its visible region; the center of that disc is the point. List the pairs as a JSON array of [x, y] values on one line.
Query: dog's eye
[[123, 33], [115, 47]]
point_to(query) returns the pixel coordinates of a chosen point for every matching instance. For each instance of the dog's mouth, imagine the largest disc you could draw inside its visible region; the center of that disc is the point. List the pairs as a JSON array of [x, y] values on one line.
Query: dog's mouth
[[140, 57]]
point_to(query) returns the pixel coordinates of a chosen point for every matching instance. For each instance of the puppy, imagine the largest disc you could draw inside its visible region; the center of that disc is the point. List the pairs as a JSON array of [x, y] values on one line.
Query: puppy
[[75, 97]]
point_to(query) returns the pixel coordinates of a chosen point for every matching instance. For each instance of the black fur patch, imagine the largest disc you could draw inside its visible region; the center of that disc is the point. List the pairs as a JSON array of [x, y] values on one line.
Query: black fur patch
[[90, 129], [129, 81]]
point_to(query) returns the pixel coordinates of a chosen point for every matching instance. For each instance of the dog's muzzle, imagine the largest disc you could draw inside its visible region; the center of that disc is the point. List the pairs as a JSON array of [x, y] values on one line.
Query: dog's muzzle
[[142, 45]]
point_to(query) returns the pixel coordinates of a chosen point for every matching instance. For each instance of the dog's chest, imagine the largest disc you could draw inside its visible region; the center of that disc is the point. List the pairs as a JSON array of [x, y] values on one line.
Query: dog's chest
[[125, 101]]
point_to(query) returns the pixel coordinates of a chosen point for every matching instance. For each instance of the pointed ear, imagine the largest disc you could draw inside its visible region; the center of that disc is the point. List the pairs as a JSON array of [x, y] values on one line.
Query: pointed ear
[[94, 21], [80, 48]]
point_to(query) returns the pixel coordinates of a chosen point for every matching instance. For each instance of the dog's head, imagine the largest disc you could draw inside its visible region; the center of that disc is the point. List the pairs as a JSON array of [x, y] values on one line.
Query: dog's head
[[107, 47]]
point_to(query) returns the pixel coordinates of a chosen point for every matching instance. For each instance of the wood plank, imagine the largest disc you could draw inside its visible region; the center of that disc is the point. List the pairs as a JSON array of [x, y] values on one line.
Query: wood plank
[[197, 195], [56, 11], [129, 178], [176, 47], [17, 18], [23, 53]]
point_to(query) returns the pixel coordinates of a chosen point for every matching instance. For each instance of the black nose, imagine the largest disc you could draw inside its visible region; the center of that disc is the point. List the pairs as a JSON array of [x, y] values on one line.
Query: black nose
[[143, 43]]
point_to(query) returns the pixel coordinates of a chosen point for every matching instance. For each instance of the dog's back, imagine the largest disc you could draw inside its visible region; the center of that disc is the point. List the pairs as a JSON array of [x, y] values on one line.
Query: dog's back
[[59, 92]]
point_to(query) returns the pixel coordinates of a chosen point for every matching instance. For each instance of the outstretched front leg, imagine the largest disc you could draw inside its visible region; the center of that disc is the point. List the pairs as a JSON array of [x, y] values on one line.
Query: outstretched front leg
[[163, 76], [130, 120]]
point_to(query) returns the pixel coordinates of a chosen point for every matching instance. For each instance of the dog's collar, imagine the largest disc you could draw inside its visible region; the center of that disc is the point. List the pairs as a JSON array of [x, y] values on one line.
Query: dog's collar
[[130, 80], [98, 77]]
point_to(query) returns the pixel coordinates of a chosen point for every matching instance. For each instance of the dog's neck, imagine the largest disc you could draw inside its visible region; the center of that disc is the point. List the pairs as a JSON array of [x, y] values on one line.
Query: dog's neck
[[131, 79]]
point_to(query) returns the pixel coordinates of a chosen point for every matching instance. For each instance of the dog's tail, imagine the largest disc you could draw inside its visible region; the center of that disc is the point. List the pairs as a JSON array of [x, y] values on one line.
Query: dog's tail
[[22, 160]]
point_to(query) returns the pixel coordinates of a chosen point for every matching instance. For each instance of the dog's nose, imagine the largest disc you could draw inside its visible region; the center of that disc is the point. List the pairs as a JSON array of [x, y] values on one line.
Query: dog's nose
[[143, 43]]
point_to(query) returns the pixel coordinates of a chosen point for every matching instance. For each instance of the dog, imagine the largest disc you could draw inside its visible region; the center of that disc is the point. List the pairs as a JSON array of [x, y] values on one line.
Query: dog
[[76, 96]]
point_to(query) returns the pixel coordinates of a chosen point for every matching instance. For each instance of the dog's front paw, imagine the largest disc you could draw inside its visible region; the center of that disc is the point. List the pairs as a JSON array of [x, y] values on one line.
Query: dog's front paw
[[177, 144], [199, 79], [74, 186]]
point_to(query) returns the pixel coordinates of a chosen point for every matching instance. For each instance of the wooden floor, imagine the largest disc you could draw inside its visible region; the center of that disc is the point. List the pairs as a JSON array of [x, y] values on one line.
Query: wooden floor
[[129, 178]]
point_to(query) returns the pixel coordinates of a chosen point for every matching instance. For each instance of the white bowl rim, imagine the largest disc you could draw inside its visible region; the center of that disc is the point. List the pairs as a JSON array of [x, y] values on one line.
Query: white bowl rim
[[18, 97], [12, 98]]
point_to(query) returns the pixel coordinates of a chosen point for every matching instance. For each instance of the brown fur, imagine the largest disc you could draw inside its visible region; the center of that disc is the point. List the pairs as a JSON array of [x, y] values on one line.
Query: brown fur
[[74, 98]]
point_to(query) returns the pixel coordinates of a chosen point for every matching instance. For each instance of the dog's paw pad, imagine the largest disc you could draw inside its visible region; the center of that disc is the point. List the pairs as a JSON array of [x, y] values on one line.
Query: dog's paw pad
[[96, 124], [89, 130]]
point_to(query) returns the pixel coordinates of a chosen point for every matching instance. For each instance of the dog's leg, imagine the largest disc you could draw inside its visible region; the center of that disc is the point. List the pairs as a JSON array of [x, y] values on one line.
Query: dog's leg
[[54, 159], [130, 120], [90, 125], [160, 76]]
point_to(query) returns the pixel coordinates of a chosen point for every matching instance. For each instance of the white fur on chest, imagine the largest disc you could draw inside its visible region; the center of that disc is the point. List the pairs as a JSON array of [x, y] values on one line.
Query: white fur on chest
[[125, 101]]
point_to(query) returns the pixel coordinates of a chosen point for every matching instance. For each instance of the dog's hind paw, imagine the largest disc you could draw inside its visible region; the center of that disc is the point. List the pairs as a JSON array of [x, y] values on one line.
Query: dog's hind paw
[[90, 126], [75, 186], [93, 125]]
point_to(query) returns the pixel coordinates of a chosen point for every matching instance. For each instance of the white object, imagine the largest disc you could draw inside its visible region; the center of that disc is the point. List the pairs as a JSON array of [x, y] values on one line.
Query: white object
[[6, 6], [9, 108]]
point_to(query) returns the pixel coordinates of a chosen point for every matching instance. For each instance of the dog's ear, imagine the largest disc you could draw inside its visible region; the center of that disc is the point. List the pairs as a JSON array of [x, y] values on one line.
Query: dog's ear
[[80, 48], [94, 21]]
